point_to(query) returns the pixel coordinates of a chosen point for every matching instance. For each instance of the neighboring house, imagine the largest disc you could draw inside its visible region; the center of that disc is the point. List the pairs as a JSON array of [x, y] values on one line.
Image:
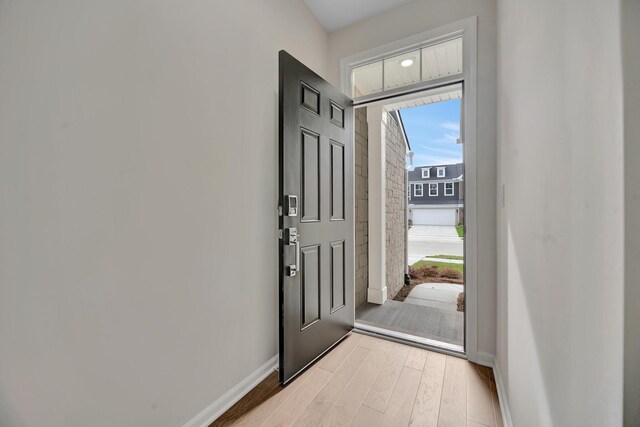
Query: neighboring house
[[436, 194]]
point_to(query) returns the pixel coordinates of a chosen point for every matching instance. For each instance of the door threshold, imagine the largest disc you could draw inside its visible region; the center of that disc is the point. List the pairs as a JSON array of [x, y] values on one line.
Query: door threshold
[[402, 338]]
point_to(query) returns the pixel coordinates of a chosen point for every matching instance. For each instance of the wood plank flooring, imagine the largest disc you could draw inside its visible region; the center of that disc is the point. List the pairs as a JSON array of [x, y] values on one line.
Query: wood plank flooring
[[370, 382]]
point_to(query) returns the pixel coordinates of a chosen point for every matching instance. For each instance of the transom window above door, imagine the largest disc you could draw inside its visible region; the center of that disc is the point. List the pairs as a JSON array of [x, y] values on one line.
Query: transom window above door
[[422, 64]]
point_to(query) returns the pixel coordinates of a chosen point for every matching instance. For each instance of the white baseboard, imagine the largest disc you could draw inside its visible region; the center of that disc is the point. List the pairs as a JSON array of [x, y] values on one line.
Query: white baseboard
[[488, 360], [502, 396], [485, 359], [227, 400]]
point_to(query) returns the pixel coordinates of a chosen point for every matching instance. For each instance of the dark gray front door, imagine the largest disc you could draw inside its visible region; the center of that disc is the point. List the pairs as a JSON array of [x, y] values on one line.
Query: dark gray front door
[[316, 193]]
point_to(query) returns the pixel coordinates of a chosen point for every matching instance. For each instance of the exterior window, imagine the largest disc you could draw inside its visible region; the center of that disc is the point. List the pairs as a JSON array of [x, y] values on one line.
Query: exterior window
[[448, 188], [425, 173], [417, 190], [441, 172], [433, 189]]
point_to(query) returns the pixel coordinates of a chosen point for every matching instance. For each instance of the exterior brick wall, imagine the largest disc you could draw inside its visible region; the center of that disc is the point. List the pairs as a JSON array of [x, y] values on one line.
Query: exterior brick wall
[[362, 206], [396, 199]]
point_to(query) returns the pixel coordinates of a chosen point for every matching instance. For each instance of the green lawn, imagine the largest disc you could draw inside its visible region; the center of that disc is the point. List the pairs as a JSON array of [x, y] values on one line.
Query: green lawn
[[460, 230], [440, 265], [456, 257]]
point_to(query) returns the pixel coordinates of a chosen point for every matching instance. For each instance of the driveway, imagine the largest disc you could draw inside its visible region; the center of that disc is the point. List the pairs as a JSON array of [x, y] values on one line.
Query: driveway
[[429, 240]]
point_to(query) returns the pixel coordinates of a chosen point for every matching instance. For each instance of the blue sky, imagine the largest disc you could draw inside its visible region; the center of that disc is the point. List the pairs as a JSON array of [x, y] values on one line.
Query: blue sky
[[432, 131]]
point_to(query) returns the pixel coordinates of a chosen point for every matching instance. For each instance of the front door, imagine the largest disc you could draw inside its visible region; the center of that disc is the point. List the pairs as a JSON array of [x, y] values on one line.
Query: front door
[[316, 221]]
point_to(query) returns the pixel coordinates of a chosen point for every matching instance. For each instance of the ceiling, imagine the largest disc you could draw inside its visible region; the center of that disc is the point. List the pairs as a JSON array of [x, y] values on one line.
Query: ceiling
[[337, 14]]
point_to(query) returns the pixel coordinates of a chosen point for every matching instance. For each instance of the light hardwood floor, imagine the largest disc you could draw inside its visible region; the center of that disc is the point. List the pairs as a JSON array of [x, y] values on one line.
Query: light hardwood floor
[[368, 382]]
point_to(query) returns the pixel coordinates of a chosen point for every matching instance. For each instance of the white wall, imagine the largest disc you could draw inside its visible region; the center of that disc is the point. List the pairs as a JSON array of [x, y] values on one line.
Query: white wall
[[138, 175], [416, 17], [630, 13], [561, 233]]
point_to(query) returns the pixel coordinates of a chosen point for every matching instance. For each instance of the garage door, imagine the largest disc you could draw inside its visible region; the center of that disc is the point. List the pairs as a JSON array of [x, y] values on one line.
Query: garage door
[[434, 216]]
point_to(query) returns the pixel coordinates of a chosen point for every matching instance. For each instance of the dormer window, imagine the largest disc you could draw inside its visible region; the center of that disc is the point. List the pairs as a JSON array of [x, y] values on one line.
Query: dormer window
[[425, 172], [441, 172]]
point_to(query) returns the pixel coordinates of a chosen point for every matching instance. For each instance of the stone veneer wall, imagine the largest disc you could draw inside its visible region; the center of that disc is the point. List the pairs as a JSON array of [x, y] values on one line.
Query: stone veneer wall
[[396, 199], [362, 206]]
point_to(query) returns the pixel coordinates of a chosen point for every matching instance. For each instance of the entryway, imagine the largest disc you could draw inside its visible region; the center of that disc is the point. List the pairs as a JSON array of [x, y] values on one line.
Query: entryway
[[423, 300], [434, 303], [367, 381], [317, 254]]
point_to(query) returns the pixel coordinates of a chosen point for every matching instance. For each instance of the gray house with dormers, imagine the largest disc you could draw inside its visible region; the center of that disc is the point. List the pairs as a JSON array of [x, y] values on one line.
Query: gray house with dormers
[[435, 194]]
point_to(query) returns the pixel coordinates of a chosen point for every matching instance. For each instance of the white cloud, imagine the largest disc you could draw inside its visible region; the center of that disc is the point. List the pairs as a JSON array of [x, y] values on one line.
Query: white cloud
[[441, 150], [428, 160], [451, 126]]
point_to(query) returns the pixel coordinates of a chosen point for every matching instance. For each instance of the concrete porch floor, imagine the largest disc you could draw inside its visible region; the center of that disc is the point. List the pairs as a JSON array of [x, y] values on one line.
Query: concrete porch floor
[[436, 323]]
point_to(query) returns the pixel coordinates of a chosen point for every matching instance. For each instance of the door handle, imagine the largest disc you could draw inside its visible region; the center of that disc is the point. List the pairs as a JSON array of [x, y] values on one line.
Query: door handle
[[291, 238], [295, 268]]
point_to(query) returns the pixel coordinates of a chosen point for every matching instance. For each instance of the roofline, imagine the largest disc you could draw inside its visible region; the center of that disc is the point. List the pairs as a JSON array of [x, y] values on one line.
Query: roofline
[[398, 117], [443, 165]]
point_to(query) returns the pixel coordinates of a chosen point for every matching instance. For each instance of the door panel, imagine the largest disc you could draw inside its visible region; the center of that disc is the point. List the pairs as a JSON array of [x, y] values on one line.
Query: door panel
[[337, 276], [337, 181], [316, 247]]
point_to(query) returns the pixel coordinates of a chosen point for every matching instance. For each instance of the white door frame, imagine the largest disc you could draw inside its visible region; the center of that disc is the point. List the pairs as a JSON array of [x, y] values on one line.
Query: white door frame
[[467, 29]]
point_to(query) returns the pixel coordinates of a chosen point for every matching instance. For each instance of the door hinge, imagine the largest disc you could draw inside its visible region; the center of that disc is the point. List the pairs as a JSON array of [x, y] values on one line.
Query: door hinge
[[279, 210], [280, 234]]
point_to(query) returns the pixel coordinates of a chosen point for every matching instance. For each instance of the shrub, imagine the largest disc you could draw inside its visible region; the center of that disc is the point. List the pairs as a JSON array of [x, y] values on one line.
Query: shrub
[[450, 273], [460, 302], [414, 273], [429, 271]]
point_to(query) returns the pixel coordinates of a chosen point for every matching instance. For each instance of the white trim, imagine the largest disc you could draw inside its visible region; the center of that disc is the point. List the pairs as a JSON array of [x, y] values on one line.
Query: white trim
[[415, 189], [429, 189], [439, 174], [227, 400], [468, 28], [452, 349], [431, 37], [377, 296], [436, 206], [489, 360], [502, 396], [439, 181], [485, 359], [453, 189], [428, 171], [376, 204]]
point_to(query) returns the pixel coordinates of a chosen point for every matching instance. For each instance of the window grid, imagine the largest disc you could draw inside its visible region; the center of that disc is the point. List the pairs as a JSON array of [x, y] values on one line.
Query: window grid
[[448, 189], [417, 187]]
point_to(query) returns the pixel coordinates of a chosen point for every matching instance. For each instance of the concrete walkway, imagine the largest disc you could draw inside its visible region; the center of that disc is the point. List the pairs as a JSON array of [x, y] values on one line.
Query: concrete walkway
[[439, 295]]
